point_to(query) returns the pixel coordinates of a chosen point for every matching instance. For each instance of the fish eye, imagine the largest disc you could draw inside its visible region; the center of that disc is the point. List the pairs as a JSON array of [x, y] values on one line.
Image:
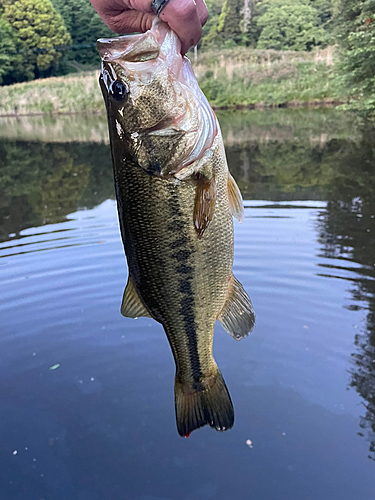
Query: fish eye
[[119, 91]]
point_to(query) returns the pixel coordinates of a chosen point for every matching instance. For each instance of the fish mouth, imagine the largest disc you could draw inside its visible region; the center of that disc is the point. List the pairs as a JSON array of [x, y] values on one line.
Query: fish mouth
[[133, 48]]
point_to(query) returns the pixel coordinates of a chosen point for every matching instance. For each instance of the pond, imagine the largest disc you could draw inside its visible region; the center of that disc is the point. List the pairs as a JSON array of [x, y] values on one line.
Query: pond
[[87, 410]]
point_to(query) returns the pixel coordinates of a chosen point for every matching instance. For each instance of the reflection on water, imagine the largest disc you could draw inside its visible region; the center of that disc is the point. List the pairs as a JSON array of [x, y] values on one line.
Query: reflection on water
[[306, 251], [62, 128], [271, 155], [314, 127], [43, 182], [347, 232]]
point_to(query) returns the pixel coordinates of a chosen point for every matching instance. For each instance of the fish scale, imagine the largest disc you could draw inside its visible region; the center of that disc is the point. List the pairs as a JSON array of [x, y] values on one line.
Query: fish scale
[[169, 264]]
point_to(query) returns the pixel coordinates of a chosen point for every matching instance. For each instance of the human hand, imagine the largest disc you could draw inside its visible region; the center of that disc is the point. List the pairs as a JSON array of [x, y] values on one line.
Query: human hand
[[185, 17]]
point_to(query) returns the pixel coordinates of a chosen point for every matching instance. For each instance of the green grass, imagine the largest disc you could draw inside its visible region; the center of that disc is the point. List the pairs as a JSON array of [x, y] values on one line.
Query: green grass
[[69, 94], [230, 78], [270, 78]]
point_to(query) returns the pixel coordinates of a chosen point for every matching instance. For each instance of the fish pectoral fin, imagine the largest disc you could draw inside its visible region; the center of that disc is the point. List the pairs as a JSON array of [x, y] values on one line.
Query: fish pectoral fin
[[132, 306], [235, 200], [237, 316], [205, 200]]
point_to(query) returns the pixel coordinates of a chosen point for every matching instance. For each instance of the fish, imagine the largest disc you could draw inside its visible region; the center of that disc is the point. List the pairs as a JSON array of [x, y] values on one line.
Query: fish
[[176, 200]]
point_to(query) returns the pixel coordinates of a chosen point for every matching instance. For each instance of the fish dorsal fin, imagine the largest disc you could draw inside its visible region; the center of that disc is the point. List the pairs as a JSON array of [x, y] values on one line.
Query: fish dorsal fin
[[235, 200], [132, 306], [237, 316], [205, 200]]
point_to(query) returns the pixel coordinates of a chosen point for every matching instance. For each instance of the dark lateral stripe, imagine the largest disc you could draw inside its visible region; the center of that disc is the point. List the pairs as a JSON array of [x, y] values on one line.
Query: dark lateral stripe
[[182, 254], [191, 332]]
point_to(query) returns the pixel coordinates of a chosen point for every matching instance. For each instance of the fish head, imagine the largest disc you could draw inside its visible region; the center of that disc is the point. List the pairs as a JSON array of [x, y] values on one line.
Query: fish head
[[155, 107]]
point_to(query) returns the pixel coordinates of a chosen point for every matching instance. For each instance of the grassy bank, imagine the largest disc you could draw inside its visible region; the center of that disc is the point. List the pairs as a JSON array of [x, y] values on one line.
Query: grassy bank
[[230, 78], [269, 78]]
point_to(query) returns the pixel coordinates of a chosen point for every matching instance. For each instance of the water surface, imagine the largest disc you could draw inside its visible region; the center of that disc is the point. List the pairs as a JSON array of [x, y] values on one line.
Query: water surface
[[87, 409]]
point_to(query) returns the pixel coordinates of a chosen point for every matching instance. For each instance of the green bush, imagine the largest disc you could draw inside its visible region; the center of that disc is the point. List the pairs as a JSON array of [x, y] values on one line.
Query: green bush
[[355, 30], [41, 32], [289, 25]]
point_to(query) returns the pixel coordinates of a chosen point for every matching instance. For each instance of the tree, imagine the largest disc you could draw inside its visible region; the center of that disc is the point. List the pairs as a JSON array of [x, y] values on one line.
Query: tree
[[41, 31], [84, 26], [289, 25], [325, 9], [209, 30], [10, 60], [230, 23], [355, 31]]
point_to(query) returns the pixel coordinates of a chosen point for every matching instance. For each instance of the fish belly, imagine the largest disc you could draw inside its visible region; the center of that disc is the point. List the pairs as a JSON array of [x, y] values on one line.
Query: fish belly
[[182, 280]]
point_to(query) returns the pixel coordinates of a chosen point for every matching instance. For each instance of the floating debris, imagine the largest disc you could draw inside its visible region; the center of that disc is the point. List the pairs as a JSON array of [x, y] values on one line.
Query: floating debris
[[249, 443], [15, 452], [54, 367]]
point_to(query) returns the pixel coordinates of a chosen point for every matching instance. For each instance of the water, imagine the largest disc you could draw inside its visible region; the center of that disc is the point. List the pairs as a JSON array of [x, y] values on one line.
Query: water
[[87, 409]]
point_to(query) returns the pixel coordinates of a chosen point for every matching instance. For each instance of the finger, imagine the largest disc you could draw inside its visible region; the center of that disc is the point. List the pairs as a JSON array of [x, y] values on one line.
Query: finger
[[123, 5], [182, 17], [125, 16], [202, 11], [129, 21]]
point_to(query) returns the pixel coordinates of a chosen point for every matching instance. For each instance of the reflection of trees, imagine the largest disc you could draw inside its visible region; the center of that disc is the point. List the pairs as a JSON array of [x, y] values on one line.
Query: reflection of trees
[[41, 182], [347, 231], [61, 189], [341, 170], [279, 170]]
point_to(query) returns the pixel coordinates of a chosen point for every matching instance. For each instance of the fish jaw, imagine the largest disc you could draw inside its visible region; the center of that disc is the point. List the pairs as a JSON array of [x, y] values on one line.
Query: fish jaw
[[166, 121]]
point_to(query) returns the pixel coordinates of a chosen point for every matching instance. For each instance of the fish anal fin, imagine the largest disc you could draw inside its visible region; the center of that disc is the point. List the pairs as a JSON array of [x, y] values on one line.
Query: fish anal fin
[[201, 403], [205, 200], [132, 306], [237, 316], [235, 200]]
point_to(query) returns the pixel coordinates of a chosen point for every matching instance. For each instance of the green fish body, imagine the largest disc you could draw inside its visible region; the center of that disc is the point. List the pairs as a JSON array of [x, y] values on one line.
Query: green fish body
[[175, 201]]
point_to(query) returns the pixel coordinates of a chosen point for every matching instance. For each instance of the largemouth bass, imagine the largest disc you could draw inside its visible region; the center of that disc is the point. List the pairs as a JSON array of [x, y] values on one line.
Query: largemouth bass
[[175, 200]]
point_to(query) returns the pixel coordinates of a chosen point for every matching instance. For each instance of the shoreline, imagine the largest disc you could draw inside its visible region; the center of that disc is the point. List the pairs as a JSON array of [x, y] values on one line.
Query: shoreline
[[238, 107], [231, 80]]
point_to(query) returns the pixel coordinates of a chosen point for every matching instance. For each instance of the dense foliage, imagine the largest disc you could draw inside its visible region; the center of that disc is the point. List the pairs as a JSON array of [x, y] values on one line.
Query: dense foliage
[[269, 24], [10, 59], [37, 35], [289, 25], [356, 36], [85, 27], [231, 23]]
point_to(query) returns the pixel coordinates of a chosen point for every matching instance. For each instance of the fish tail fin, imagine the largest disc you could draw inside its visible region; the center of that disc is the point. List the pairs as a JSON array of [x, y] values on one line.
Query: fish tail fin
[[202, 403]]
